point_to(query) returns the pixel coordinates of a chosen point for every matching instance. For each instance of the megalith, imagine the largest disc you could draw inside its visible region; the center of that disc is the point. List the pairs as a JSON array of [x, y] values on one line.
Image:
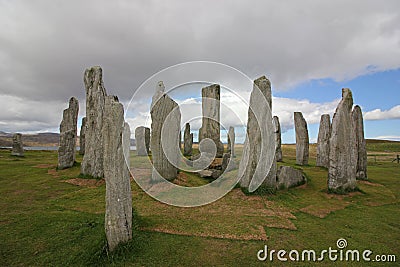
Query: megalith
[[231, 141], [68, 131], [17, 146], [256, 164], [165, 129], [116, 135], [142, 138], [211, 116], [187, 141], [302, 141], [92, 163], [324, 133], [358, 124], [342, 152], [278, 139], [82, 137]]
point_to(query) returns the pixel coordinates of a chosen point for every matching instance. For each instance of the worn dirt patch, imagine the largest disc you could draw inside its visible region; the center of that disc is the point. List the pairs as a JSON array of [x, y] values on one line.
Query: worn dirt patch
[[44, 166], [341, 197], [322, 212], [53, 172], [369, 183], [91, 183]]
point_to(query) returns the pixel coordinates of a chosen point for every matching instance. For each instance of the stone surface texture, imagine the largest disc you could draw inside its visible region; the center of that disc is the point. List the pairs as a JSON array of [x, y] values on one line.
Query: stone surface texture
[[164, 141], [68, 132], [302, 140], [231, 141], [211, 116], [342, 147], [17, 146], [278, 138], [118, 216], [92, 163], [358, 124], [142, 138], [82, 137], [187, 141], [324, 134], [289, 177]]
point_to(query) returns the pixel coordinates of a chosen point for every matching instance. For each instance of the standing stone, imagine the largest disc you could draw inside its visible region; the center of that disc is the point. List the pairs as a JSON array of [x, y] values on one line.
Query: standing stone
[[92, 163], [164, 141], [231, 141], [118, 217], [228, 163], [302, 141], [68, 130], [17, 146], [324, 134], [342, 151], [82, 137], [142, 137], [187, 141], [278, 140], [211, 116], [358, 125], [255, 160]]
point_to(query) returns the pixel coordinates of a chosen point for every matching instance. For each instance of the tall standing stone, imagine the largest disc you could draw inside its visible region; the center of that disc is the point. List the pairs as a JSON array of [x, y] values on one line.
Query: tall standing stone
[[255, 161], [302, 141], [278, 139], [211, 116], [118, 217], [342, 150], [324, 134], [17, 146], [92, 163], [231, 141], [165, 129], [68, 130], [187, 141], [142, 138], [82, 137], [358, 125]]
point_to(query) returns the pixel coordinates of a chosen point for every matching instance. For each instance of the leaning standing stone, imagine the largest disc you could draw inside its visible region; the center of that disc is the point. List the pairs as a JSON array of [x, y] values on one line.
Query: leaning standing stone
[[187, 141], [302, 141], [82, 137], [17, 146], [324, 134], [164, 141], [118, 217], [256, 165], [142, 137], [342, 150], [231, 141], [278, 139], [92, 163], [210, 127], [68, 130], [358, 125]]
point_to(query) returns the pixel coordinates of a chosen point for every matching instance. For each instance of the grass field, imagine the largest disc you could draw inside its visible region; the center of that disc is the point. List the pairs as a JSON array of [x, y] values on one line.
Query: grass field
[[49, 217]]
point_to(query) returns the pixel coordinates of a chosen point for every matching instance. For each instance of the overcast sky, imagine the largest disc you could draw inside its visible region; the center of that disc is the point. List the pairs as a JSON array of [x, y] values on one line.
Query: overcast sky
[[308, 49]]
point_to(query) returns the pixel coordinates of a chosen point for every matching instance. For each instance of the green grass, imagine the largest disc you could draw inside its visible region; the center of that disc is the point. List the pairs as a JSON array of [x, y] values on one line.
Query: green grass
[[46, 221]]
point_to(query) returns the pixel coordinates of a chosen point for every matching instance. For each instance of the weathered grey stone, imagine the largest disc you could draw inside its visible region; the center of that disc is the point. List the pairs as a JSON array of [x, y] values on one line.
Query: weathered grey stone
[[231, 141], [255, 161], [118, 217], [92, 163], [187, 141], [17, 146], [278, 140], [358, 124], [164, 141], [342, 152], [324, 134], [289, 177], [68, 130], [142, 137], [302, 141], [82, 137], [202, 161], [205, 173], [211, 116], [228, 163]]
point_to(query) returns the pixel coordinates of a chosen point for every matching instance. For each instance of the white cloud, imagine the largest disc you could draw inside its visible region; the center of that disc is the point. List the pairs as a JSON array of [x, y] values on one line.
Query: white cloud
[[378, 114], [387, 137]]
